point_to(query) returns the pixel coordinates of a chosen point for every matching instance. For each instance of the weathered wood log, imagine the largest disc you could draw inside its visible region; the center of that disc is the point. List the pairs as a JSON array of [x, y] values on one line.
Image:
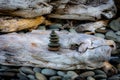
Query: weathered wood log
[[12, 24], [83, 9], [31, 49], [25, 8]]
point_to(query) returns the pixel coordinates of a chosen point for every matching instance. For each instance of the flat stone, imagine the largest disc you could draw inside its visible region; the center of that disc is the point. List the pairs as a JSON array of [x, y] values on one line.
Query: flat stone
[[118, 39], [48, 72], [115, 24], [99, 35], [55, 78], [111, 35], [36, 69], [22, 77], [55, 26], [31, 77], [116, 52], [118, 33], [72, 74], [61, 73], [115, 77], [100, 76], [40, 76], [100, 31], [99, 72], [11, 24], [25, 8], [26, 70], [90, 78], [87, 73]]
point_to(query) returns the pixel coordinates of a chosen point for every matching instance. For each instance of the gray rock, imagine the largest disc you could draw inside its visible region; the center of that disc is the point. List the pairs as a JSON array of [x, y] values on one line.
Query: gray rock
[[41, 28], [22, 77], [99, 35], [66, 77], [36, 69], [88, 73], [25, 8], [90, 78], [61, 73], [114, 78], [117, 33], [31, 77], [118, 39], [72, 74], [26, 70], [100, 76], [40, 76], [48, 72], [55, 26], [99, 72], [111, 35], [115, 24], [115, 52], [55, 78]]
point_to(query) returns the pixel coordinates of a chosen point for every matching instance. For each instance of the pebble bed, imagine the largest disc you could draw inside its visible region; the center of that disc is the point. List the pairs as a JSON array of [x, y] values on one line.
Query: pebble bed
[[35, 73]]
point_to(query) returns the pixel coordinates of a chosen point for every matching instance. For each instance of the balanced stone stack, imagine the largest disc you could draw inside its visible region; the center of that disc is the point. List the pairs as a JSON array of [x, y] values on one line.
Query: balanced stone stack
[[54, 42]]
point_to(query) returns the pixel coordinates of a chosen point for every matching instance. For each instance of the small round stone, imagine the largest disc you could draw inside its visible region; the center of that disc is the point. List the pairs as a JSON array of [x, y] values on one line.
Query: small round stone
[[36, 69], [114, 78], [88, 73], [55, 78], [99, 35], [72, 73], [60, 73], [99, 72], [22, 77], [31, 77], [55, 26], [90, 78], [118, 33], [100, 76], [48, 72], [26, 70], [40, 76], [111, 35]]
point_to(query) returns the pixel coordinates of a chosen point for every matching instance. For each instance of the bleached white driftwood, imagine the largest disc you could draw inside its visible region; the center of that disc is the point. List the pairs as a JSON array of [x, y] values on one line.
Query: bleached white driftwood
[[31, 49], [83, 9], [25, 8], [91, 26]]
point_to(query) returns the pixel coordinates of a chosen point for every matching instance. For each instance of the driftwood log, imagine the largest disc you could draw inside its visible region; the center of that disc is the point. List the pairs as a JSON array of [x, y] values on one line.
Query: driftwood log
[[25, 8], [83, 9], [31, 49]]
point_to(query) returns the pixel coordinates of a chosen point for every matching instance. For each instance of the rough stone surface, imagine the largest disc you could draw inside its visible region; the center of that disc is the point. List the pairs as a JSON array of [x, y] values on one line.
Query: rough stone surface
[[83, 10], [31, 49], [25, 8], [10, 24]]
